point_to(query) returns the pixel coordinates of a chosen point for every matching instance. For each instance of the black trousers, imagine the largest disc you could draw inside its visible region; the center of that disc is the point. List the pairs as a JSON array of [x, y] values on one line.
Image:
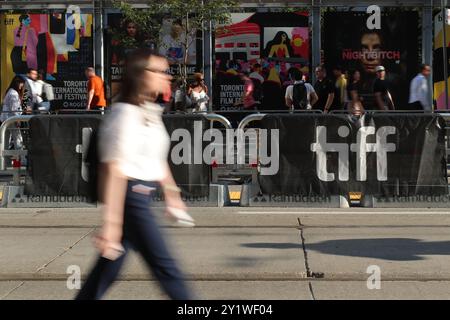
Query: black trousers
[[141, 232]]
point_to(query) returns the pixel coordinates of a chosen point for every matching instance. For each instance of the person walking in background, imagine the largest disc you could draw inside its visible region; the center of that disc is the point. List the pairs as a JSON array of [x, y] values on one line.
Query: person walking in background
[[44, 93], [419, 92], [248, 100], [256, 74], [300, 95], [324, 89], [96, 91], [31, 91], [133, 150], [383, 98], [354, 88], [198, 93], [340, 88], [12, 106]]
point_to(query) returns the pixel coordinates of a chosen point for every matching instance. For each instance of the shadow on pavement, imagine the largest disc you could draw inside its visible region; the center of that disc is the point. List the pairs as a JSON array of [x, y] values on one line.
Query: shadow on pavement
[[395, 249]]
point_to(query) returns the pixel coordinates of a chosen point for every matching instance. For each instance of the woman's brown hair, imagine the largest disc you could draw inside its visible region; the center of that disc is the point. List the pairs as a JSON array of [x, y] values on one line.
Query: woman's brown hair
[[136, 64], [15, 85]]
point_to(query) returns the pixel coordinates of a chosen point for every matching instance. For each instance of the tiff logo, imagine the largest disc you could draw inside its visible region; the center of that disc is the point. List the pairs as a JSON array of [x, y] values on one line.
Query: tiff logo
[[381, 147]]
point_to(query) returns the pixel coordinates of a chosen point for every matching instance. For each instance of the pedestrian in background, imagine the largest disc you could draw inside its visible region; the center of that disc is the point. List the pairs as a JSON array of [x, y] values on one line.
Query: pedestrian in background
[[354, 88], [383, 97], [44, 93], [340, 93], [133, 148], [324, 89], [12, 106], [300, 95], [419, 92], [198, 92], [31, 91], [96, 91]]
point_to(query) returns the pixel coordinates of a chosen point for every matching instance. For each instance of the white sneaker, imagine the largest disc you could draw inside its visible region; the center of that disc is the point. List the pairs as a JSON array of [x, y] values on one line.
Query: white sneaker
[[180, 217]]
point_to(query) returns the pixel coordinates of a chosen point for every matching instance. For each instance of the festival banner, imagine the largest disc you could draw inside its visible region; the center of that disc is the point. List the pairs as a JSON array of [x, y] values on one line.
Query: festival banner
[[381, 154], [265, 46], [58, 44], [124, 36], [348, 42]]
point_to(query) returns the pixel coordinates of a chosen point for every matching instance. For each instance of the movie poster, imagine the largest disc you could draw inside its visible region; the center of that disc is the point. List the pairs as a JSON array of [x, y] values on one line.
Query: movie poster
[[124, 36], [264, 46], [438, 61], [348, 42], [58, 44]]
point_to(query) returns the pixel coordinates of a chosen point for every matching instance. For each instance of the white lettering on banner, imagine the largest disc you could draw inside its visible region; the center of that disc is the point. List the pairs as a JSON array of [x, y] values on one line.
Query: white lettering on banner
[[82, 148], [182, 152], [321, 147]]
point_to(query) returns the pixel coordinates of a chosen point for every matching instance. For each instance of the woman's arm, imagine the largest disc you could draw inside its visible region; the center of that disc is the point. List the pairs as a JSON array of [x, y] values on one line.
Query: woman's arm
[[112, 185], [172, 194]]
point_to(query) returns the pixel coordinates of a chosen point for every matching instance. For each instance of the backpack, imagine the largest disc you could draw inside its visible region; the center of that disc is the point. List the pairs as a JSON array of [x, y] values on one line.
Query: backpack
[[47, 91], [300, 96]]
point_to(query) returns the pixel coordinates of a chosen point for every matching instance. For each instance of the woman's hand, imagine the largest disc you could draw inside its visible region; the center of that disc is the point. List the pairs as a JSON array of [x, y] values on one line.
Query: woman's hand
[[173, 199], [108, 240]]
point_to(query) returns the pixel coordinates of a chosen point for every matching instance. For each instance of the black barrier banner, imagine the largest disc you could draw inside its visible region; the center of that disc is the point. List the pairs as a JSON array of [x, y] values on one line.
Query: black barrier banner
[[58, 145], [56, 150], [192, 175], [379, 154]]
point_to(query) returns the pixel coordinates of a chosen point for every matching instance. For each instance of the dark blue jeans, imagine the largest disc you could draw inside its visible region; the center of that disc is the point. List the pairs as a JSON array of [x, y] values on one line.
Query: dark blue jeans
[[142, 233]]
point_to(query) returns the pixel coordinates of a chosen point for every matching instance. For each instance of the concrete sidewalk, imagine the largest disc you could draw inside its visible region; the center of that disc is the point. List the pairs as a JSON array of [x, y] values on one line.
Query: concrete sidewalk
[[242, 253]]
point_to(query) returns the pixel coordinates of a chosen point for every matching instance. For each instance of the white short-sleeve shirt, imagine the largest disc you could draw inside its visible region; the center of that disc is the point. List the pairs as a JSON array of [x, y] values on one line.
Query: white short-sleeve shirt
[[309, 90], [136, 138]]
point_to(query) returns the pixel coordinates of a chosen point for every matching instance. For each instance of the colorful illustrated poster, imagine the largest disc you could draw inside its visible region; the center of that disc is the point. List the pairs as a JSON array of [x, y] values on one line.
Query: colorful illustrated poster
[[349, 43], [54, 44], [438, 60], [264, 46]]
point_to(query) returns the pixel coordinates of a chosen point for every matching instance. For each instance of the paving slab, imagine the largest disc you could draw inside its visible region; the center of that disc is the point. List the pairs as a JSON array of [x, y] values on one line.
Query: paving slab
[[400, 253], [150, 290], [389, 290], [209, 254], [25, 251], [7, 286]]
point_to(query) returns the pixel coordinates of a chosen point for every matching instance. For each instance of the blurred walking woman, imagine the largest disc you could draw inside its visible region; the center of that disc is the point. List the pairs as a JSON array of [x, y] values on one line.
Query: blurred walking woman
[[12, 106], [133, 148]]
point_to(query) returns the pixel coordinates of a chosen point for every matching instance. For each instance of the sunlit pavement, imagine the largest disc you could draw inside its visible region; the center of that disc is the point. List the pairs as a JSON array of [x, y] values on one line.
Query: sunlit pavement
[[243, 253]]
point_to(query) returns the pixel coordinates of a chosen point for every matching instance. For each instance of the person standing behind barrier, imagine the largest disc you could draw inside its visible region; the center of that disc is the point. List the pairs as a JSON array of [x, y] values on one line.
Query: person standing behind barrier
[[383, 98], [300, 95], [354, 89], [324, 89], [12, 106], [96, 91], [44, 93], [31, 91], [419, 92], [340, 94], [198, 93], [133, 148]]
